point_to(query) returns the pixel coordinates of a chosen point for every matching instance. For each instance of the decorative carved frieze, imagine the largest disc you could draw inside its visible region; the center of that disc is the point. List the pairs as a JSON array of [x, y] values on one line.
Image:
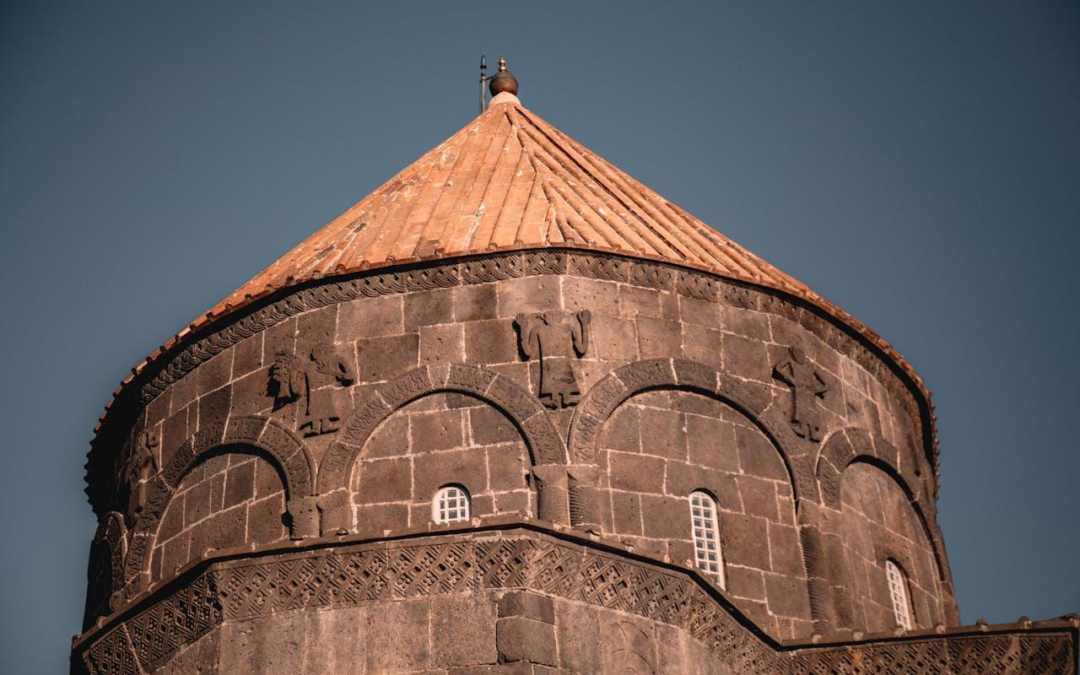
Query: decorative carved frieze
[[363, 574], [555, 339]]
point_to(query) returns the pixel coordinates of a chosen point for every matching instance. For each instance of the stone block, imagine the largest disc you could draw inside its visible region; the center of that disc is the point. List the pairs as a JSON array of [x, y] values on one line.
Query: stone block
[[428, 308], [383, 358], [214, 407], [622, 432], [488, 426], [787, 596], [579, 633], [384, 480], [758, 456], [663, 433], [489, 342], [703, 345], [612, 339], [634, 301], [748, 359], [400, 629], [265, 520], [636, 473], [786, 551], [759, 498], [461, 467], [741, 537], [658, 338], [247, 355], [712, 443], [436, 430], [527, 605], [462, 631], [380, 517], [370, 317], [391, 438], [626, 513], [508, 466], [665, 517], [279, 339], [477, 302], [592, 294], [699, 312], [529, 294], [316, 328], [745, 582], [520, 639], [443, 343], [239, 483]]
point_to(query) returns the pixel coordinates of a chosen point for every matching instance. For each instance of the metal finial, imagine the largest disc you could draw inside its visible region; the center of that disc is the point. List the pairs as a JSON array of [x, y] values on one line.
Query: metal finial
[[503, 81]]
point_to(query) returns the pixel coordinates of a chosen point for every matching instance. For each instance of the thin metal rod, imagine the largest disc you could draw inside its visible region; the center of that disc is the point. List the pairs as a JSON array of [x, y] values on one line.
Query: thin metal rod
[[483, 80]]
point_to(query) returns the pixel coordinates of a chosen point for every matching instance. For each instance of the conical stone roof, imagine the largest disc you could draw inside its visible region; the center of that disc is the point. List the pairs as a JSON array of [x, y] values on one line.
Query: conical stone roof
[[509, 181]]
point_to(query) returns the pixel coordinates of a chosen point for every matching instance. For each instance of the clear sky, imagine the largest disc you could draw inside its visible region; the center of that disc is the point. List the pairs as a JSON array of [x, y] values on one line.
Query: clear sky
[[916, 162]]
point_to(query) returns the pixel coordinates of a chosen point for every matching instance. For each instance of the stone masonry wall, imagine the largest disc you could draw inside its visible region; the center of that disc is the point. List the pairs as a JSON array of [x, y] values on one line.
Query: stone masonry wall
[[346, 350], [880, 525], [444, 439], [661, 446], [232, 499]]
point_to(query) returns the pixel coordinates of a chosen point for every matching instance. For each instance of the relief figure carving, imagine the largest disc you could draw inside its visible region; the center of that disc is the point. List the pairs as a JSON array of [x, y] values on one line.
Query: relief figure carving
[[808, 384], [140, 467], [555, 339], [306, 380]]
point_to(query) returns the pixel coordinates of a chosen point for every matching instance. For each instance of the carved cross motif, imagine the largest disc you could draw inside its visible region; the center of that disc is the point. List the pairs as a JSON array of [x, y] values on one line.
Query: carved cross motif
[[807, 385], [555, 339], [140, 467], [307, 380]]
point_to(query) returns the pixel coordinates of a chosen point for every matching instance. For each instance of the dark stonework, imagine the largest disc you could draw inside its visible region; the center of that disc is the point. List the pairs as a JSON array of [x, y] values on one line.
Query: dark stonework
[[269, 503]]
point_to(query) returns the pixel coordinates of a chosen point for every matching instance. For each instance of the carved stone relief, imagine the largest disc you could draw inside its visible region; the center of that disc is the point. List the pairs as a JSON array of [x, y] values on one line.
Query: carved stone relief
[[307, 380], [555, 339], [808, 384], [141, 465]]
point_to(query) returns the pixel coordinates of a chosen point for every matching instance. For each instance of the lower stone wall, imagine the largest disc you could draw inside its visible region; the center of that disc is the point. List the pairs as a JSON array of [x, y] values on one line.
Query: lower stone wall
[[515, 601]]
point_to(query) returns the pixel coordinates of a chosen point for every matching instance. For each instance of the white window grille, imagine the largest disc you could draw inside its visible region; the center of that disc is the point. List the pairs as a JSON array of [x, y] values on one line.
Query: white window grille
[[706, 533], [450, 505], [899, 592]]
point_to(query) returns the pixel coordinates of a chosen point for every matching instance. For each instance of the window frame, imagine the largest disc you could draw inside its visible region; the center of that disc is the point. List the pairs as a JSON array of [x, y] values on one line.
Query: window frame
[[443, 493], [710, 530], [900, 595]]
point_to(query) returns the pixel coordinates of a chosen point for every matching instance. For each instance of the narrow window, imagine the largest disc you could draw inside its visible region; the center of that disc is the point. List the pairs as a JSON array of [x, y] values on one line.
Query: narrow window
[[451, 505], [901, 606], [706, 536]]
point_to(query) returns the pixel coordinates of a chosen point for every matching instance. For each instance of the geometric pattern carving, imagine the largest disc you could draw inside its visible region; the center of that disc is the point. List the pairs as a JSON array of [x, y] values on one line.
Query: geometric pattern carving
[[523, 559]]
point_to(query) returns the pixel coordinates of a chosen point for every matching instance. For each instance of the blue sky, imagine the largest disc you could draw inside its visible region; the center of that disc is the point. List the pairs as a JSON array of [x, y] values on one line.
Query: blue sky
[[917, 163]]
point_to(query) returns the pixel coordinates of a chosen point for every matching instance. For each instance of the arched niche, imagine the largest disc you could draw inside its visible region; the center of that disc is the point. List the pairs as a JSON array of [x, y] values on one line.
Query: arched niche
[[657, 431], [272, 441], [878, 523], [438, 440], [546, 447]]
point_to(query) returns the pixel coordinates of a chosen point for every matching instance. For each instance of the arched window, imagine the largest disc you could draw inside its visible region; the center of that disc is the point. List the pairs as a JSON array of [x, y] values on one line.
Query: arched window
[[898, 590], [450, 505], [706, 533]]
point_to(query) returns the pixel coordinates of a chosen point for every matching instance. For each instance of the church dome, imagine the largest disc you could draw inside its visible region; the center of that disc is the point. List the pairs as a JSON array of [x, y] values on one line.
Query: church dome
[[510, 181]]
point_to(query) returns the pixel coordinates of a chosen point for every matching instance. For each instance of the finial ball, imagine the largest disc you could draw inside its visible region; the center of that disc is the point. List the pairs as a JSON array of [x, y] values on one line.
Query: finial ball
[[503, 81]]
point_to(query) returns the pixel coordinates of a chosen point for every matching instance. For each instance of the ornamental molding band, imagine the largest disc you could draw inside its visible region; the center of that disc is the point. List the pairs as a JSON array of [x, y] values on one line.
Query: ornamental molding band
[[168, 366], [545, 445], [555, 339], [527, 558], [283, 447]]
